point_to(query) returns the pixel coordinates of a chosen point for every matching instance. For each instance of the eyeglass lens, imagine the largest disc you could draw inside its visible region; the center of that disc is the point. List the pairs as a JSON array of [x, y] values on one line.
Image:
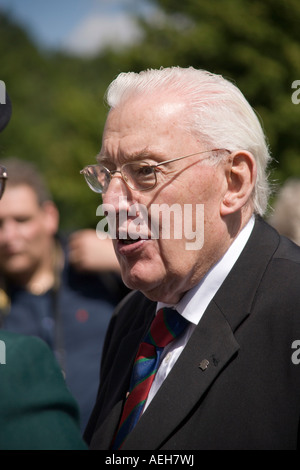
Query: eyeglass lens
[[137, 175], [2, 187], [3, 178]]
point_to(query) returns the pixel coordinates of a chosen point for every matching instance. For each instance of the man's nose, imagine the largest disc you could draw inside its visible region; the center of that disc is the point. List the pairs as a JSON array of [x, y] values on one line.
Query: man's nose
[[116, 204], [117, 193]]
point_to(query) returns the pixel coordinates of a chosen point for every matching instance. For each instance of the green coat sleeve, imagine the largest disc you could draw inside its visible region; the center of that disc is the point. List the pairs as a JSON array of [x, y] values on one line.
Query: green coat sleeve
[[37, 411]]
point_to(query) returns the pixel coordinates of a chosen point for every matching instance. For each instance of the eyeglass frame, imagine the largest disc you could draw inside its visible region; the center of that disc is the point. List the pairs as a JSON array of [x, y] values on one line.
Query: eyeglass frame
[[3, 178], [112, 172]]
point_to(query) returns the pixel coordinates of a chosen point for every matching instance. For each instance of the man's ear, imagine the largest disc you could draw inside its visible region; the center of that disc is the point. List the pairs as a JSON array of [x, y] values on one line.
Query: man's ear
[[51, 217], [241, 174]]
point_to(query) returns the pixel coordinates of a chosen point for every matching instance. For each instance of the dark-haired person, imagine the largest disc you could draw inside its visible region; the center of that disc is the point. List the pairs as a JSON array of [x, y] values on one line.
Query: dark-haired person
[[46, 295], [37, 411]]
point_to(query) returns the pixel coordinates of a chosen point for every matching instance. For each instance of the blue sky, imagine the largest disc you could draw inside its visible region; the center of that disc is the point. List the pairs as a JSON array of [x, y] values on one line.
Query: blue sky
[[80, 26]]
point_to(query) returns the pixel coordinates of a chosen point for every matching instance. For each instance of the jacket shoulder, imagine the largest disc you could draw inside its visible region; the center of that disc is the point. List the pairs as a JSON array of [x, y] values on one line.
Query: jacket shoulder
[[38, 410]]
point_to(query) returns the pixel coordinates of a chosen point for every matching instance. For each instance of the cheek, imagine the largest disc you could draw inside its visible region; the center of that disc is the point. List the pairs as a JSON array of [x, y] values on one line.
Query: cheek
[[33, 236], [171, 259], [176, 257], [30, 232]]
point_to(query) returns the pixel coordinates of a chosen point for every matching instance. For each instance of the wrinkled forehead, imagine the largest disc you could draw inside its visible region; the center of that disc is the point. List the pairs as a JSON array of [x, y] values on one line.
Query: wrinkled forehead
[[141, 123], [139, 112]]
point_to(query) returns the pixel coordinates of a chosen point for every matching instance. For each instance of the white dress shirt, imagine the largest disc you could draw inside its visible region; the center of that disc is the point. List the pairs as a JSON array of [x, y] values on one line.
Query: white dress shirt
[[194, 303]]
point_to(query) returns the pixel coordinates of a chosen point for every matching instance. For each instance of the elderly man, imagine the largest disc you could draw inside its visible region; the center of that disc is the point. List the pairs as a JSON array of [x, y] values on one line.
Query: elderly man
[[218, 368]]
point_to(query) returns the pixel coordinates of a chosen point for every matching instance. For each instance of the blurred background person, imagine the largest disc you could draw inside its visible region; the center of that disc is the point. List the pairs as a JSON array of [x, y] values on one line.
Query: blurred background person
[[37, 411], [43, 294], [88, 253], [285, 216]]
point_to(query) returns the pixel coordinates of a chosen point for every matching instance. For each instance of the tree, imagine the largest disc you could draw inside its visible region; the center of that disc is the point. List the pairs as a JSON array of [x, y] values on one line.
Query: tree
[[56, 121]]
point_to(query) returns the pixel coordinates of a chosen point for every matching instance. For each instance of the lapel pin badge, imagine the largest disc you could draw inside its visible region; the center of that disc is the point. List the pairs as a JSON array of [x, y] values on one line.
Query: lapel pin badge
[[203, 364]]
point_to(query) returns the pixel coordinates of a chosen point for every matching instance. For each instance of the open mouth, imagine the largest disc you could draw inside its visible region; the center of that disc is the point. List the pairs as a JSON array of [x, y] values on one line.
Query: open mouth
[[129, 241]]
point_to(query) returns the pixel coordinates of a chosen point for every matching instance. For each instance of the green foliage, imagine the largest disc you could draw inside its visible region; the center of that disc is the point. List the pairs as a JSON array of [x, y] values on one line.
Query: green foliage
[[56, 121], [58, 110]]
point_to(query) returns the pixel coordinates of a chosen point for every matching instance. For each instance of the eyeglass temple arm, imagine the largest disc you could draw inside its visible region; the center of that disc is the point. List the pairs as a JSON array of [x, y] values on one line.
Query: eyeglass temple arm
[[190, 155]]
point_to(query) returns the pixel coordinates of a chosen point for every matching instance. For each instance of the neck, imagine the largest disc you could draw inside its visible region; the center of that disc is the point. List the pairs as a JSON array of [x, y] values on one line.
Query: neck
[[41, 283]]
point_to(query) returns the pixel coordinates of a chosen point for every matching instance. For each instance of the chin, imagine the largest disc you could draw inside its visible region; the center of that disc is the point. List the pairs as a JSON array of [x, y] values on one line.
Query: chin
[[153, 289], [16, 267], [145, 274], [142, 285], [141, 282]]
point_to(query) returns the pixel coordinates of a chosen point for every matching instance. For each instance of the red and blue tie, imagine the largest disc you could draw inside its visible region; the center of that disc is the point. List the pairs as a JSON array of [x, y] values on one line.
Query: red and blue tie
[[167, 325]]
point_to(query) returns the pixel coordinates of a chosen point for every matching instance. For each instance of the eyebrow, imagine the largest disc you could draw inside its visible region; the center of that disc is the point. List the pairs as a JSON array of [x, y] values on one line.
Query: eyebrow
[[102, 158], [135, 156]]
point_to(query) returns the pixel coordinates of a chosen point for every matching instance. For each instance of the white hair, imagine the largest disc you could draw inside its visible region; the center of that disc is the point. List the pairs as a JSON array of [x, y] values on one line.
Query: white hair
[[217, 112]]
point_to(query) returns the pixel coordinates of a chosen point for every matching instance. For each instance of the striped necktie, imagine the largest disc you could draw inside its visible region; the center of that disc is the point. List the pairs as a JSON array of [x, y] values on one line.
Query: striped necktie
[[167, 325]]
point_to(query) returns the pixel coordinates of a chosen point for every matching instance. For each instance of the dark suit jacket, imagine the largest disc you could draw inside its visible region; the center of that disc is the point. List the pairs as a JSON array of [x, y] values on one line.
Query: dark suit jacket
[[249, 395], [37, 411]]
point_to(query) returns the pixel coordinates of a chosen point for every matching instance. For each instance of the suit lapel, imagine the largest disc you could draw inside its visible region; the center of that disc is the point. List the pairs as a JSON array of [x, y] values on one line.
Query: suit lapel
[[124, 359], [213, 341]]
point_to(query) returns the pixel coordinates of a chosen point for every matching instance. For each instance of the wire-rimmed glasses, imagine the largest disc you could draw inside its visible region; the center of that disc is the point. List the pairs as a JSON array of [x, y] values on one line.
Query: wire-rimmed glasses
[[3, 178], [138, 175]]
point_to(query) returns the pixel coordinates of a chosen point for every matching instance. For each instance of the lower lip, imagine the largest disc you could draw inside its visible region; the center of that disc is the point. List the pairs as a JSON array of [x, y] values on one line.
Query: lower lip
[[130, 249], [11, 253]]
